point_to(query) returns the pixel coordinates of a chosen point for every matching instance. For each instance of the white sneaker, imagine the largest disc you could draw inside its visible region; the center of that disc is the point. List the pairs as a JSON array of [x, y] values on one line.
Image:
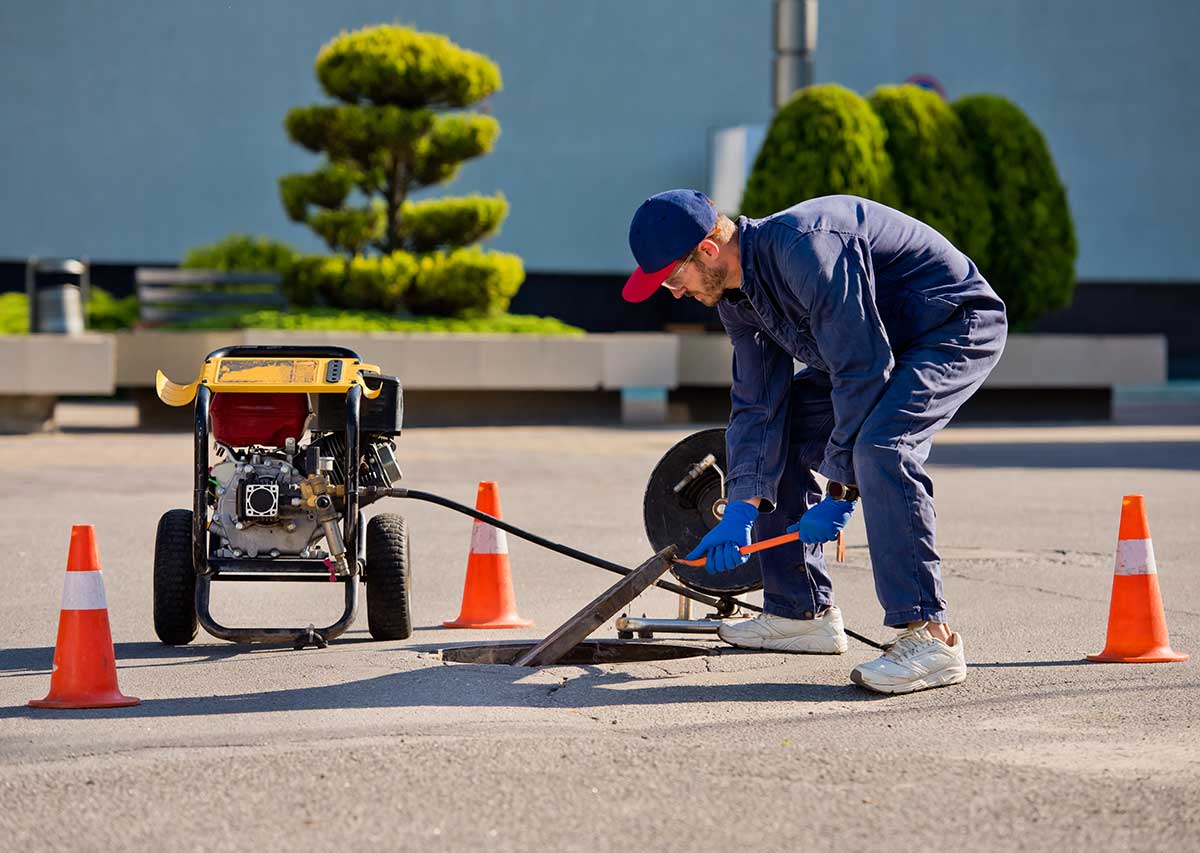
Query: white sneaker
[[916, 661], [821, 636]]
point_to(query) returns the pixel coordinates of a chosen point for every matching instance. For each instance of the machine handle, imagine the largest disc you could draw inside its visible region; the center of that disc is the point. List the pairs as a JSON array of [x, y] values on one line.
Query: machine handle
[[754, 547]]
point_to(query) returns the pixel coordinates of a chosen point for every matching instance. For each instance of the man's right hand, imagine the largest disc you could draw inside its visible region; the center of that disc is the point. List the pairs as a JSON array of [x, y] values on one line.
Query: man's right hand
[[720, 545]]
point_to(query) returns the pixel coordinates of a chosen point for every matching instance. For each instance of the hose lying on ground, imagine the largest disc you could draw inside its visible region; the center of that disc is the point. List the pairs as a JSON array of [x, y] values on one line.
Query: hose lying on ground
[[565, 550]]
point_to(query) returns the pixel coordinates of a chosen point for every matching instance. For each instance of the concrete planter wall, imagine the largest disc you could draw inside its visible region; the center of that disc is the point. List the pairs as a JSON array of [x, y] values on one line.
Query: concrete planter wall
[[631, 378], [1029, 361], [1039, 377], [444, 369], [37, 369]]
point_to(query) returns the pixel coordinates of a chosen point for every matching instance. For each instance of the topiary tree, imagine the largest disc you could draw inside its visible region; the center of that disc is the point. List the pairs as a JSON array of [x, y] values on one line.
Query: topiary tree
[[391, 136], [1032, 265], [824, 141], [938, 177]]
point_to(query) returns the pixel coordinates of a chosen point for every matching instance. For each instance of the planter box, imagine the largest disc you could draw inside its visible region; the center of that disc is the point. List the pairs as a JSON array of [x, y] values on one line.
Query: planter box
[[631, 377], [636, 370], [37, 369], [1029, 361], [1039, 376], [1080, 361]]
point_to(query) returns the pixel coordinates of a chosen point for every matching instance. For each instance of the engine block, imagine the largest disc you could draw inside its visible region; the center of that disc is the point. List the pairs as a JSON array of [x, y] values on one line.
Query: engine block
[[259, 509]]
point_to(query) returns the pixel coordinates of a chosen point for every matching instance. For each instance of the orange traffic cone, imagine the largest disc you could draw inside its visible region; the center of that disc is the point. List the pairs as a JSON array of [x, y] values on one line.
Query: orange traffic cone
[[488, 598], [85, 671], [1137, 628]]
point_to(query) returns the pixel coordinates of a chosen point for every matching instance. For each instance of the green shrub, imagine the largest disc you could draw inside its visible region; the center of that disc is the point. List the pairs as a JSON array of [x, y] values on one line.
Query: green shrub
[[937, 175], [304, 282], [336, 319], [1032, 263], [376, 282], [242, 253], [397, 65], [105, 313], [438, 222], [465, 283], [14, 314], [349, 230], [327, 187], [826, 140]]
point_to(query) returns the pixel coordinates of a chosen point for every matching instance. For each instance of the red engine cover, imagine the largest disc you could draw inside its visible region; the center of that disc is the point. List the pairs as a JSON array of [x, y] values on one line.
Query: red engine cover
[[240, 420]]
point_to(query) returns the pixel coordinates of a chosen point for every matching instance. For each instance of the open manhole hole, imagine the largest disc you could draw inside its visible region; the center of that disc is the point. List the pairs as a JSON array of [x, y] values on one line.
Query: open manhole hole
[[589, 651]]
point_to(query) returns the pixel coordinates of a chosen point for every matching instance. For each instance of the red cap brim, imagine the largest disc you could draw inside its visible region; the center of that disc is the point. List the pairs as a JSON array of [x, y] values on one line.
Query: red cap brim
[[642, 284]]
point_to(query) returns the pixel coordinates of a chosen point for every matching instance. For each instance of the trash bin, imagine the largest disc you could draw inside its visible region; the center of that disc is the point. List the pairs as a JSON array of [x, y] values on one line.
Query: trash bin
[[58, 290]]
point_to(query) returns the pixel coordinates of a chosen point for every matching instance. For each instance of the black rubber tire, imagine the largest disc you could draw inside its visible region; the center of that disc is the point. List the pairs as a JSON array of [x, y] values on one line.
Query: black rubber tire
[[389, 616], [174, 579]]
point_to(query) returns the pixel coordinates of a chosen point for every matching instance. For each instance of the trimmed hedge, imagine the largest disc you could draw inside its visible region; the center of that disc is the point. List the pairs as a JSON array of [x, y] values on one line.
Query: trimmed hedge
[[326, 187], [105, 313], [397, 65], [354, 133], [14, 314], [241, 252], [350, 229], [1032, 265], [465, 283], [442, 222], [376, 282], [826, 140], [937, 175], [333, 319]]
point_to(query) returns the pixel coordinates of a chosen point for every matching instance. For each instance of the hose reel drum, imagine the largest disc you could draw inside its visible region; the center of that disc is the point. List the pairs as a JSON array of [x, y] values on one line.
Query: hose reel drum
[[685, 498]]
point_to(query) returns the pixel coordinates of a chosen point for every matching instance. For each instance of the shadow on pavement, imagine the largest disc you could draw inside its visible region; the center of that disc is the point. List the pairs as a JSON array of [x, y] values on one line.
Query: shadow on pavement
[[37, 661], [463, 685], [1022, 663], [1168, 455]]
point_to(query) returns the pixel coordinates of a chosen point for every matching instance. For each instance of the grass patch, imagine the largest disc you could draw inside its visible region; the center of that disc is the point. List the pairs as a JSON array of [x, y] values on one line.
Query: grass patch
[[14, 314], [106, 313], [338, 320]]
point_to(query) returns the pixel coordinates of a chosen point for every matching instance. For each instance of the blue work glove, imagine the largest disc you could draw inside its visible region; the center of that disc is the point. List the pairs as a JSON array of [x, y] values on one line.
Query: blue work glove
[[720, 545], [824, 521]]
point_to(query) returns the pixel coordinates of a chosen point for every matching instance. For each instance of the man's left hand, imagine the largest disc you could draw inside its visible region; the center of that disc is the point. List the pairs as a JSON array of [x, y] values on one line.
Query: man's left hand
[[823, 522]]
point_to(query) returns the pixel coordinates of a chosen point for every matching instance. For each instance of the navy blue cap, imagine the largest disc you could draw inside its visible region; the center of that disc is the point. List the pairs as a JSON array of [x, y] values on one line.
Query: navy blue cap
[[665, 228]]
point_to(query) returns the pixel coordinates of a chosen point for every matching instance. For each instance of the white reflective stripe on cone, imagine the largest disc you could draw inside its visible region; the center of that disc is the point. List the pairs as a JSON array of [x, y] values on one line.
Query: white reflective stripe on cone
[[1135, 557], [84, 591], [486, 539]]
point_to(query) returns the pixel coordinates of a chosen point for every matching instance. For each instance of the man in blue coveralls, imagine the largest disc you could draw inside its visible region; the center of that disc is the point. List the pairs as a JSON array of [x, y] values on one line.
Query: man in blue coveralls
[[896, 329]]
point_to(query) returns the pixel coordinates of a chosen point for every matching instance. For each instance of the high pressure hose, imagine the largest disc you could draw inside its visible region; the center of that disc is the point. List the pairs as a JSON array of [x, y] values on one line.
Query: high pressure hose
[[373, 492]]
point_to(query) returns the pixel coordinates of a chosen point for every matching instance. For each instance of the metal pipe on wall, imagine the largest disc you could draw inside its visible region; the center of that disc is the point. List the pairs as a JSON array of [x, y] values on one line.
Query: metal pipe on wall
[[795, 47]]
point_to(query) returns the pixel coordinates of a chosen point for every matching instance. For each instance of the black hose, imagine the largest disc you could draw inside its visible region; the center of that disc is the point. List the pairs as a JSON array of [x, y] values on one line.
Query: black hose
[[565, 550]]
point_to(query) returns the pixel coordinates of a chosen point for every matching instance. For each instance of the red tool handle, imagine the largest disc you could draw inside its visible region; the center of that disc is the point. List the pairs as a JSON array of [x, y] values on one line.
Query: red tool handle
[[753, 547]]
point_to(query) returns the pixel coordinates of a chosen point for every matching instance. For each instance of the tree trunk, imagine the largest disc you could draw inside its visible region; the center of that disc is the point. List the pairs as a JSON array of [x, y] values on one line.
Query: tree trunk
[[397, 191]]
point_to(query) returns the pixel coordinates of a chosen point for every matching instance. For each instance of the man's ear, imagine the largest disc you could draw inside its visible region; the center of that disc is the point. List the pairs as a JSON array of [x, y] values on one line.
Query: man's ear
[[709, 248]]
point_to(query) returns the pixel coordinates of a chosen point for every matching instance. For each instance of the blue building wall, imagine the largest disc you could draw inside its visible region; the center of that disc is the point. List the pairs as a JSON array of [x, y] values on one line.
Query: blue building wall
[[133, 130]]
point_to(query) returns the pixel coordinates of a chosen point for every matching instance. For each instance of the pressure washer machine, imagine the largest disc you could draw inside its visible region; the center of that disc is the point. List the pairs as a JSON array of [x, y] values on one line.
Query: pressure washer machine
[[299, 432]]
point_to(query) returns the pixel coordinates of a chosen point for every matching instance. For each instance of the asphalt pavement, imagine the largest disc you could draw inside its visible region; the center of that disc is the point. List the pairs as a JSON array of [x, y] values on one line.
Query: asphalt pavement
[[386, 744]]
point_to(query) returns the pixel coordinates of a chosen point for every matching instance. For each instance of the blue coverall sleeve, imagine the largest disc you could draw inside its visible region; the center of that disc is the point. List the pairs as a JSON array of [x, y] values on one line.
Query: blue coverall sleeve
[[830, 274], [756, 440]]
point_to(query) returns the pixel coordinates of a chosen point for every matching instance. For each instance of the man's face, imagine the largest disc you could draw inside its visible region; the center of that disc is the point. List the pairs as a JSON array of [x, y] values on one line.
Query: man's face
[[699, 277]]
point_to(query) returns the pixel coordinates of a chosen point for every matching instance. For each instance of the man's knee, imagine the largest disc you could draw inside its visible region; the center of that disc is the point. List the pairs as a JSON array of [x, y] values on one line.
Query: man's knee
[[874, 453]]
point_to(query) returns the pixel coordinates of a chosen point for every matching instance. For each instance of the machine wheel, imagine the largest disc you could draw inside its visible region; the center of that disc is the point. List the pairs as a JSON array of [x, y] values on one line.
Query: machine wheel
[[388, 613], [174, 579]]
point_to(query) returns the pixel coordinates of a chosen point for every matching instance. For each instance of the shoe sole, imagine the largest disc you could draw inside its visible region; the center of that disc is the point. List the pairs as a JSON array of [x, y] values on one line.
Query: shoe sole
[[942, 678], [766, 645]]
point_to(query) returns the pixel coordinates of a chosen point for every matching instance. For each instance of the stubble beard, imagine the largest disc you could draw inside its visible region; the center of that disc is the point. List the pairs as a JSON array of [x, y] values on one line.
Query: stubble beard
[[712, 285]]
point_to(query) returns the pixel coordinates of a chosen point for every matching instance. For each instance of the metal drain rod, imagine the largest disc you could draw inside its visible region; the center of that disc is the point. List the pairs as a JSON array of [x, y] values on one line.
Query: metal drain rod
[[374, 492]]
